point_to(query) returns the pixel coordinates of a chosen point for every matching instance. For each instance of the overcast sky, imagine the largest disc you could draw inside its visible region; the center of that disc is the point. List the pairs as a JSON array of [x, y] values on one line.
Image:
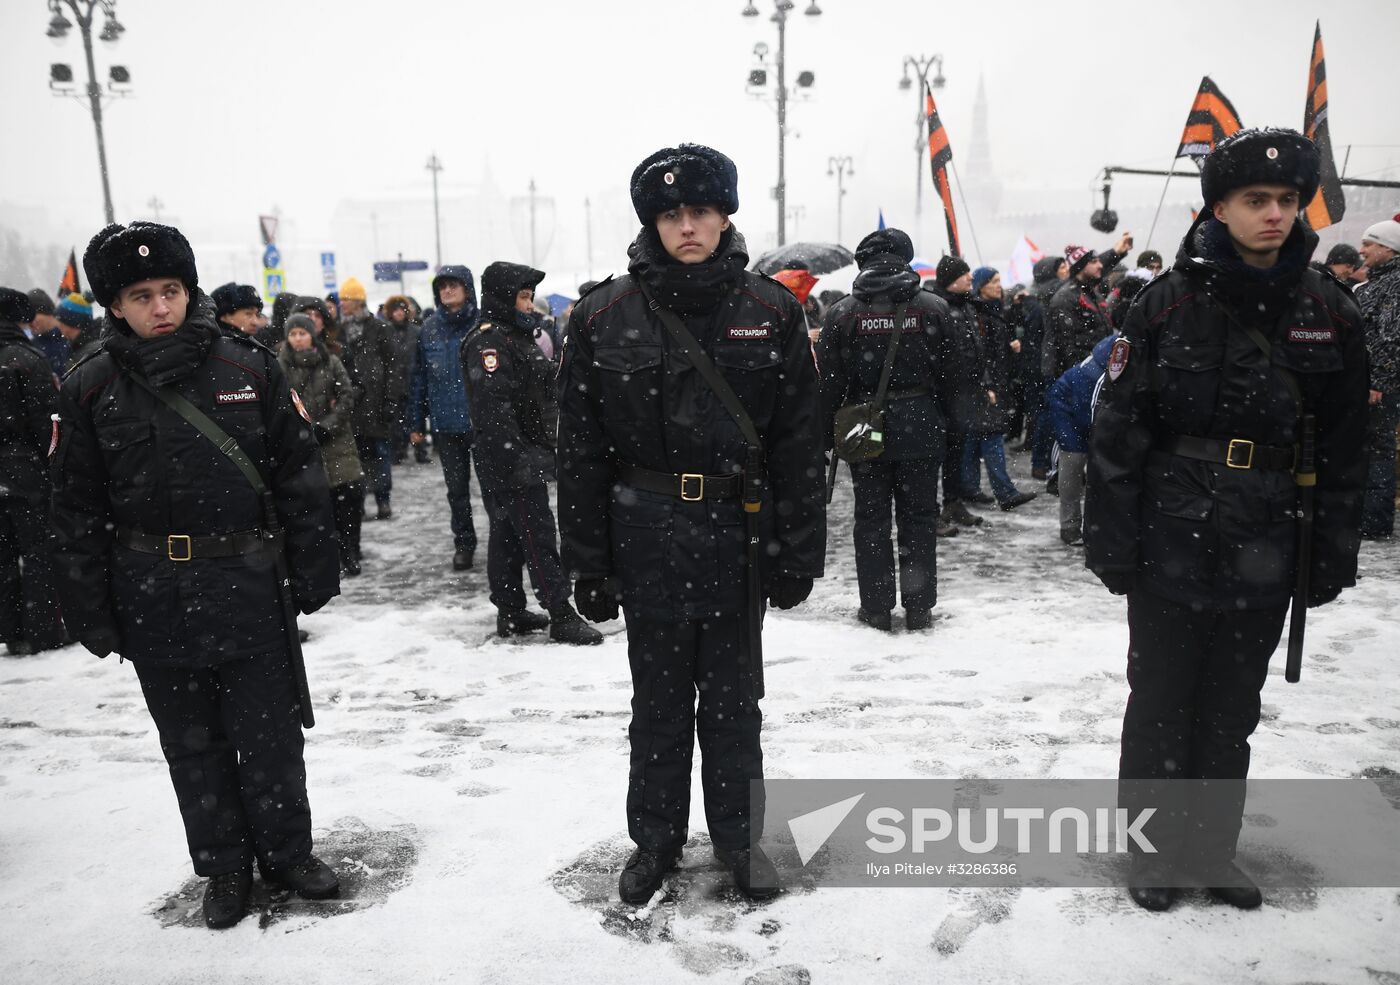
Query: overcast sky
[[244, 105]]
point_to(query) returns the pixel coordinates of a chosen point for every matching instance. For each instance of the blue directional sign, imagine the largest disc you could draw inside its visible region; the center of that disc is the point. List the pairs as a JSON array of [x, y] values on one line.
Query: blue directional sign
[[328, 271], [272, 257], [395, 269]]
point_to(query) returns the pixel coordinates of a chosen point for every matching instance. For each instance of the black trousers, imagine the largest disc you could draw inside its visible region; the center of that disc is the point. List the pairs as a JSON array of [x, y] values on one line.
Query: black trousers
[[1195, 678], [911, 485], [348, 501], [232, 737], [455, 454], [28, 599], [672, 662], [523, 534]]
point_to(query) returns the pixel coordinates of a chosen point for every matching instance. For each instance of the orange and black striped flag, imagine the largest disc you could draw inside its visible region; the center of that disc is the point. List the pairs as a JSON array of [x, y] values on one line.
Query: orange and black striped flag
[[69, 284], [1211, 120], [1330, 203], [940, 155]]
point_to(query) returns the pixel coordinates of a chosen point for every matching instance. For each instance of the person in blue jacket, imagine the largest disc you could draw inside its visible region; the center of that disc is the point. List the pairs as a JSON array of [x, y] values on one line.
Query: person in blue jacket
[[1071, 408], [437, 393]]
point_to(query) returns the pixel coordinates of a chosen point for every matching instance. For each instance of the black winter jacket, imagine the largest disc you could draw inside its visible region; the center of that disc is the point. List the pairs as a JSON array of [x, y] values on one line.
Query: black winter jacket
[[126, 460], [1204, 533], [381, 387], [970, 373], [511, 398], [629, 396], [995, 340], [851, 356], [28, 399]]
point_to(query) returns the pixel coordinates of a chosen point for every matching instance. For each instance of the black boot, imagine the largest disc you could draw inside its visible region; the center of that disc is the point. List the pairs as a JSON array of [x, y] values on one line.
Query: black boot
[[311, 879], [1146, 884], [302, 635], [462, 560], [644, 873], [1230, 885], [955, 512], [349, 564], [1020, 499], [384, 511], [754, 873], [226, 898], [565, 626], [980, 498], [518, 622], [917, 619], [876, 620], [945, 529]]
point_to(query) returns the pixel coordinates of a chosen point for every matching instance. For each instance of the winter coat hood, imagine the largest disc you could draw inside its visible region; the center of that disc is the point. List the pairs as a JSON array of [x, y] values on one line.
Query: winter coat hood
[[457, 272]]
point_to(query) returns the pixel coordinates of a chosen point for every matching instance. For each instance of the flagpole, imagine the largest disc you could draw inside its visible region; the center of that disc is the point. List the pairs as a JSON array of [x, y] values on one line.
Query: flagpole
[[1171, 168], [967, 212]]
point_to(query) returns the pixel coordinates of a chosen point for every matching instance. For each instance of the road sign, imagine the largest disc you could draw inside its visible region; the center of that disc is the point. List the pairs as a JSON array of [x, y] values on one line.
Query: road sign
[[395, 269], [328, 271], [274, 282], [272, 257]]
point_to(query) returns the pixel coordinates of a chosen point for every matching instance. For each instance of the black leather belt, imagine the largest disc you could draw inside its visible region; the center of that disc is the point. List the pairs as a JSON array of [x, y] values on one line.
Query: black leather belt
[[689, 486], [184, 547], [1237, 453]]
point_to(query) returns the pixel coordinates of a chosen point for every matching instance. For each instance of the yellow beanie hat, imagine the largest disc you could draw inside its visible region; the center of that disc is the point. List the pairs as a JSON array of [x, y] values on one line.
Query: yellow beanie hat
[[353, 290]]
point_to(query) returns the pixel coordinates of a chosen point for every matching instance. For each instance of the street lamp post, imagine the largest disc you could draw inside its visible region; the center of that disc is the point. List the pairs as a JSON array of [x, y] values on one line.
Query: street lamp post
[[434, 165], [804, 80], [840, 167], [61, 74], [921, 66]]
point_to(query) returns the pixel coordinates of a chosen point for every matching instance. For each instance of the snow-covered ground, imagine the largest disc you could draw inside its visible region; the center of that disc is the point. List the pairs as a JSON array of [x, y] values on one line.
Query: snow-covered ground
[[470, 791]]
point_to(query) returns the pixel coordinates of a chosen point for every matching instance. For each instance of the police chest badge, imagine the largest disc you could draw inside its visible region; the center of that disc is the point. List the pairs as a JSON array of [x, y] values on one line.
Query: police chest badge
[[489, 362], [1118, 358], [301, 407]]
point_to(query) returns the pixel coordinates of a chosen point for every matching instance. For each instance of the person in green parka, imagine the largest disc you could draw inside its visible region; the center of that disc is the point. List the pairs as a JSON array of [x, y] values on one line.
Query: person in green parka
[[319, 380]]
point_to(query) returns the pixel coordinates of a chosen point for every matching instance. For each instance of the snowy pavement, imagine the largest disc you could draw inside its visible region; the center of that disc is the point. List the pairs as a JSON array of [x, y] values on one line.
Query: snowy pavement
[[470, 791]]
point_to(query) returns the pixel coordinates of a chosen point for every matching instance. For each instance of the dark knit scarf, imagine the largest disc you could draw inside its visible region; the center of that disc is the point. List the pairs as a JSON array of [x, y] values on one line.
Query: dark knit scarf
[[1257, 294], [171, 357], [688, 288]]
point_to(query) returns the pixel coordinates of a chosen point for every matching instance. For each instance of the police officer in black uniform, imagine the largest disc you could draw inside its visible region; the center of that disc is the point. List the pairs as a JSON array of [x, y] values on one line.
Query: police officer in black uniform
[[515, 413], [1191, 498], [649, 501], [164, 560], [28, 609], [851, 355]]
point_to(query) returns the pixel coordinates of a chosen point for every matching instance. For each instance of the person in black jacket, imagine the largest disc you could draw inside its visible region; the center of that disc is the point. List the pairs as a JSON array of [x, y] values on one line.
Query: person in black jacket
[[967, 378], [514, 410], [1076, 318], [163, 557], [649, 501], [851, 356], [29, 619], [1191, 502], [381, 389], [238, 308]]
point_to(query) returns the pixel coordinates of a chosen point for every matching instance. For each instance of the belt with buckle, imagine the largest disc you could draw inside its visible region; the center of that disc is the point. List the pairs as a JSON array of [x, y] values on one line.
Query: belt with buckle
[[689, 486], [1236, 453], [185, 547]]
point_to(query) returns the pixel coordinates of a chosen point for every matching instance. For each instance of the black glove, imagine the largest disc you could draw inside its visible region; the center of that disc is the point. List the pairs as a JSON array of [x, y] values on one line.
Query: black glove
[[596, 598], [1118, 582], [308, 606], [786, 592], [101, 642], [1322, 594], [323, 434]]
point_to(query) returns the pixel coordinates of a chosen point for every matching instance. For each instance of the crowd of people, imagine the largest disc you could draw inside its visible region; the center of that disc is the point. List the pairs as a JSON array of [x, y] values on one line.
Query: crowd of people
[[681, 413]]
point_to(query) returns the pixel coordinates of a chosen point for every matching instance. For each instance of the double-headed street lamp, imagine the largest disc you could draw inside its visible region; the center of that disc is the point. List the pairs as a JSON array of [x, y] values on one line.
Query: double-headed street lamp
[[921, 66], [759, 77], [840, 167], [61, 74]]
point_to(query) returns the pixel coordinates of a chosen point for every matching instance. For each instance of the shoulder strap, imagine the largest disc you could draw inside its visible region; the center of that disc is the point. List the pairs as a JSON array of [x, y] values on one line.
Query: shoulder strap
[[1257, 337], [202, 423], [706, 368], [890, 350]]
